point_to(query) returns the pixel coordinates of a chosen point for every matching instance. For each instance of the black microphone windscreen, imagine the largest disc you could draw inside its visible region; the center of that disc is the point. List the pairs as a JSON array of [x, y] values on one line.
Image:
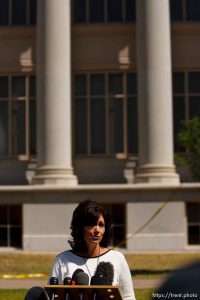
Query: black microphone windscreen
[[67, 281], [98, 279], [76, 272], [107, 270], [53, 281], [82, 278]]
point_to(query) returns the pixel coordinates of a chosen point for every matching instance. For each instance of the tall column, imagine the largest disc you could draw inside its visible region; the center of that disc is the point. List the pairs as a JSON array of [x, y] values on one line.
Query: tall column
[[154, 93], [54, 145]]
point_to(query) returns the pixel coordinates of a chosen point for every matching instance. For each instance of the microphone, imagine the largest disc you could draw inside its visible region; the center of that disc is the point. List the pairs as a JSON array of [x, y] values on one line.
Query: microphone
[[67, 281], [107, 270], [97, 279], [53, 281], [81, 278], [77, 271]]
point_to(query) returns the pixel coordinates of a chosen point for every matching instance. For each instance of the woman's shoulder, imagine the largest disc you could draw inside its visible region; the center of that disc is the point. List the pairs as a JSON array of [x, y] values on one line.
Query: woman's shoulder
[[115, 254], [64, 255]]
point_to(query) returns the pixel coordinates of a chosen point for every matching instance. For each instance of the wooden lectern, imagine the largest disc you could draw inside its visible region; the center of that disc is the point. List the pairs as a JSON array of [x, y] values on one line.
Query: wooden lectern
[[84, 292]]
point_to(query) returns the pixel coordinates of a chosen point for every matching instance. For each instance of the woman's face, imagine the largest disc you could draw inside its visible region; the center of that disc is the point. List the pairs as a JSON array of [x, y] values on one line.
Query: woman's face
[[93, 234]]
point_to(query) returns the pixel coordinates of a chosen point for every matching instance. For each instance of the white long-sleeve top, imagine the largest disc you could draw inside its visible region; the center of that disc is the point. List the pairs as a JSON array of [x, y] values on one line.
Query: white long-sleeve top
[[67, 262]]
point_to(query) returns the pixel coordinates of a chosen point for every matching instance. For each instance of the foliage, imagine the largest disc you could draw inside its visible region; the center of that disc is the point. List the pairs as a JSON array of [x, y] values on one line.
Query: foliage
[[189, 138]]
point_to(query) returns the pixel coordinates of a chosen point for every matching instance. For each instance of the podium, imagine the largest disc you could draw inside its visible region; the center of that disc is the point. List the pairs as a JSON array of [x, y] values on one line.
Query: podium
[[84, 292]]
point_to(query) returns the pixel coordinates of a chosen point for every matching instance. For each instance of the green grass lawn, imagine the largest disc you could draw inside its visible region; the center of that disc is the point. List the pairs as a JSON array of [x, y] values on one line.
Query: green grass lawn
[[17, 294], [17, 263], [141, 265], [143, 294], [157, 265]]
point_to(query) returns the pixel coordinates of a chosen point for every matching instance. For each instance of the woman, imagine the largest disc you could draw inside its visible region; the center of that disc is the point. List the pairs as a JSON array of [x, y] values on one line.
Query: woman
[[91, 235]]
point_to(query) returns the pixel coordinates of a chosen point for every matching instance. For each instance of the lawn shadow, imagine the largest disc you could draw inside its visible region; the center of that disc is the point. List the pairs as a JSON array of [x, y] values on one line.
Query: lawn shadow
[[149, 273]]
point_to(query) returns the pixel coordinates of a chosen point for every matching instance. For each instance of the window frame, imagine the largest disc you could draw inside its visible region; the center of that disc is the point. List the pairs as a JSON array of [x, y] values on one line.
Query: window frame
[[193, 224], [11, 100], [28, 15], [124, 97], [9, 226], [125, 18], [184, 13], [186, 94], [119, 207]]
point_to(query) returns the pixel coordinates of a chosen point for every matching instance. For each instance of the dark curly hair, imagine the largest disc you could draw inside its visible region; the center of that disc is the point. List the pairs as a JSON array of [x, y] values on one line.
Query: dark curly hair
[[88, 213]]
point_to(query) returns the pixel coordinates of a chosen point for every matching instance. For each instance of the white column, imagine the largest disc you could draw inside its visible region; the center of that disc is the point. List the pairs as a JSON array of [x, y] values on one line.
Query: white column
[[154, 93], [54, 145]]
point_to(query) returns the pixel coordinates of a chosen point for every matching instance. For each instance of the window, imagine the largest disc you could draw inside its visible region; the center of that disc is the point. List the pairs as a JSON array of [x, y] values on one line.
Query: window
[[118, 213], [186, 100], [193, 219], [111, 11], [11, 226], [105, 113], [185, 10], [103, 11], [17, 116], [17, 12]]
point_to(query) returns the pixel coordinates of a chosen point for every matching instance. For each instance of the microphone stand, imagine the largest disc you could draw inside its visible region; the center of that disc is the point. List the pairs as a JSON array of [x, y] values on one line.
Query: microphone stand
[[80, 294], [53, 281], [97, 279], [94, 297], [81, 279], [67, 296], [67, 281]]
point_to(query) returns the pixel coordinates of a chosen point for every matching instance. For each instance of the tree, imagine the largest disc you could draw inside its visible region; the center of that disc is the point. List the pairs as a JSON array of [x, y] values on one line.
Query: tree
[[189, 138]]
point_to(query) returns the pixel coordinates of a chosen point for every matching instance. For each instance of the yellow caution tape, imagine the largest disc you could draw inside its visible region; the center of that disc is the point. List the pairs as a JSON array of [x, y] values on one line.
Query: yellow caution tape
[[157, 212], [39, 275], [22, 276]]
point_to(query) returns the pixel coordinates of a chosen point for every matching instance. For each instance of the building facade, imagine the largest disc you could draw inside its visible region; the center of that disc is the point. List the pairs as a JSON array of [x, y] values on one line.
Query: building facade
[[92, 95]]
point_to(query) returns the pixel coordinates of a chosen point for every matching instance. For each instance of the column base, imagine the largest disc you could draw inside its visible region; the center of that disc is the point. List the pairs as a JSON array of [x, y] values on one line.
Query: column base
[[129, 171], [157, 174], [54, 175]]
